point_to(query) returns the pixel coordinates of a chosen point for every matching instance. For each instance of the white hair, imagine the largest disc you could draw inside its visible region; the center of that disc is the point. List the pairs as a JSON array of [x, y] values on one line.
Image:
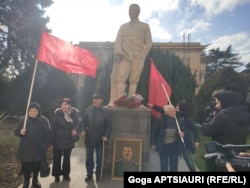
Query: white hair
[[167, 107]]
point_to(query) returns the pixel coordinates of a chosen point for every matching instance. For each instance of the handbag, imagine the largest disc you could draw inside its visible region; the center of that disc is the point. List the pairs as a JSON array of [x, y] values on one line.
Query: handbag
[[76, 138], [45, 166]]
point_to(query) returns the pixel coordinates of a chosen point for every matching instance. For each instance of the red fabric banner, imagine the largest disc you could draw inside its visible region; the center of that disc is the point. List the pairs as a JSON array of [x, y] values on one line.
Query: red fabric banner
[[157, 94], [66, 57]]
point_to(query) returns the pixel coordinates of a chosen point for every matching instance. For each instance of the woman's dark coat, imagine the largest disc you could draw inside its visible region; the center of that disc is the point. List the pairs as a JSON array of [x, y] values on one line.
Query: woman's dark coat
[[61, 129], [35, 141], [191, 133], [229, 126]]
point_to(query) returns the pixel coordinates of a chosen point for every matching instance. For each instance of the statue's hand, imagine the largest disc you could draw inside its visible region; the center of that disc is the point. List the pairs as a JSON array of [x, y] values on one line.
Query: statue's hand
[[118, 58]]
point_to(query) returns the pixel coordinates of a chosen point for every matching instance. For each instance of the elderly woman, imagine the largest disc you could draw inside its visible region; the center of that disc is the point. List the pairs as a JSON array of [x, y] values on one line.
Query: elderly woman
[[64, 129], [168, 143], [35, 138]]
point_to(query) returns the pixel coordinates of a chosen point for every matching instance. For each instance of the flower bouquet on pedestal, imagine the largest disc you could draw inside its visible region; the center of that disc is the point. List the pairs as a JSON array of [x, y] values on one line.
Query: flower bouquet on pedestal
[[133, 101]]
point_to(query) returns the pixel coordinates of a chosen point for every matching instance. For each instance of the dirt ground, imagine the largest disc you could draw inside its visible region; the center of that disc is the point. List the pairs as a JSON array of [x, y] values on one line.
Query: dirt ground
[[9, 165]]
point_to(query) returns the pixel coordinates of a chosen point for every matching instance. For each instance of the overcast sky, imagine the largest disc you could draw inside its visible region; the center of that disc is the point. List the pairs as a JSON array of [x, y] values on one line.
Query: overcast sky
[[215, 22]]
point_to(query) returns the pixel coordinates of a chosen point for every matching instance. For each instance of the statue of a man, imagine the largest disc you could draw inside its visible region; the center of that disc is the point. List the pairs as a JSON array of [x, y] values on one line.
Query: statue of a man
[[132, 44]]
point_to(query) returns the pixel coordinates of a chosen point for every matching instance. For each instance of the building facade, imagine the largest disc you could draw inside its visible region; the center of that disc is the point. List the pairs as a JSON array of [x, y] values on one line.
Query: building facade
[[189, 53]]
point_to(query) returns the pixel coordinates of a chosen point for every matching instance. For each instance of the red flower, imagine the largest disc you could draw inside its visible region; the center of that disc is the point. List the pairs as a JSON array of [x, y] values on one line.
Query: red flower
[[129, 102]]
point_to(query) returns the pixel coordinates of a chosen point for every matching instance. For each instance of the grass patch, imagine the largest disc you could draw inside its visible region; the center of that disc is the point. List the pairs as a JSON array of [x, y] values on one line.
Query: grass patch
[[200, 152], [7, 136], [9, 141]]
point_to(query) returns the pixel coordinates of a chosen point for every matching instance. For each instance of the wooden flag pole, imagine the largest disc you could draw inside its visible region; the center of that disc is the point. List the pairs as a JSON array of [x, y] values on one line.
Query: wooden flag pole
[[177, 123], [31, 89]]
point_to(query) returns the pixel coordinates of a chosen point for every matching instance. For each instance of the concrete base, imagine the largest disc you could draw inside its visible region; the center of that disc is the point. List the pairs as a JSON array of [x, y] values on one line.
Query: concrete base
[[129, 123], [78, 173]]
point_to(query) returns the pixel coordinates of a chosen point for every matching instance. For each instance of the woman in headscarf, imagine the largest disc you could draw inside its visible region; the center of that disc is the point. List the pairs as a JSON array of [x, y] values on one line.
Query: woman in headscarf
[[35, 138]]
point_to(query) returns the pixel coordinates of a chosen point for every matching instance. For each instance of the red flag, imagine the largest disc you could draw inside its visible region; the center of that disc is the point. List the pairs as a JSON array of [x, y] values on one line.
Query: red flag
[[66, 57], [157, 94]]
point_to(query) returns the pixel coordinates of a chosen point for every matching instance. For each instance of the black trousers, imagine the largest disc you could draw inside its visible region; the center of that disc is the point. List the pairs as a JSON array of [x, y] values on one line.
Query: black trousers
[[169, 157], [61, 162], [30, 167]]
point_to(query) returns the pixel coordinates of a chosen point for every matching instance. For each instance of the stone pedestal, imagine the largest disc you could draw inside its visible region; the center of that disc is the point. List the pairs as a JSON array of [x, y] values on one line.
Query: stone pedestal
[[129, 123]]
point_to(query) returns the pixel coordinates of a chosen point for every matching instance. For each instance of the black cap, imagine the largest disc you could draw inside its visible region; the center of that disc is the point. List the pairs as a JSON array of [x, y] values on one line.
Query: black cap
[[97, 96]]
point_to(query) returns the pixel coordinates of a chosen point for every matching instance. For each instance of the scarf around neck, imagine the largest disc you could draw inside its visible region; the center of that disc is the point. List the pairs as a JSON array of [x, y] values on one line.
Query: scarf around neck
[[67, 116]]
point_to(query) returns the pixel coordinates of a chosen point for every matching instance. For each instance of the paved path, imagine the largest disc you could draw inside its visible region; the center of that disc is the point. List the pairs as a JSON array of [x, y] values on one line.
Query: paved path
[[78, 173]]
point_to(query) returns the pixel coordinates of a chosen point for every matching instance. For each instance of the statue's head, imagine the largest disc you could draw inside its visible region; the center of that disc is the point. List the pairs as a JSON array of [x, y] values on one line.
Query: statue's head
[[134, 11]]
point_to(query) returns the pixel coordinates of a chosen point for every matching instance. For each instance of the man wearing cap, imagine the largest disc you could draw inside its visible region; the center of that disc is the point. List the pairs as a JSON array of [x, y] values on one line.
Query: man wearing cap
[[96, 126]]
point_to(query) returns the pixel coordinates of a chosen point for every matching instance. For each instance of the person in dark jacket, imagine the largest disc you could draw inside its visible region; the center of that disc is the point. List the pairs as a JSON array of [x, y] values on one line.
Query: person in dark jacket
[[64, 128], [155, 128], [35, 139], [191, 133], [168, 143], [96, 126], [231, 123]]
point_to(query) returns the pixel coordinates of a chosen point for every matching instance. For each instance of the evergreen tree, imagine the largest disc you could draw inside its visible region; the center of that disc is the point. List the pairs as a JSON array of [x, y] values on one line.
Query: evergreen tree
[[218, 59], [21, 24], [47, 91], [226, 78], [85, 93], [103, 79], [177, 75], [247, 68]]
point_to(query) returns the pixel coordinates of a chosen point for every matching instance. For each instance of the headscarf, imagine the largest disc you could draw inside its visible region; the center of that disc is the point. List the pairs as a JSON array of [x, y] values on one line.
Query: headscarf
[[36, 106]]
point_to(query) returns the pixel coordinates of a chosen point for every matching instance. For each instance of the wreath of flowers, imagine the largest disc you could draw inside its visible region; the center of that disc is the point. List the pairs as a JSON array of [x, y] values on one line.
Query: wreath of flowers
[[133, 101]]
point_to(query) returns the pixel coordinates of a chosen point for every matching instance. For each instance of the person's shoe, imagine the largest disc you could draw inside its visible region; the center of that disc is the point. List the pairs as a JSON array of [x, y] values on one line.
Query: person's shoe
[[88, 178], [57, 179], [66, 178], [26, 184], [35, 183]]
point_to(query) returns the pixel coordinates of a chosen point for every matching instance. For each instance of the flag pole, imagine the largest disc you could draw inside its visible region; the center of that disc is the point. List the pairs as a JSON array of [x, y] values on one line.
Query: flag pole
[[178, 126], [31, 89]]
